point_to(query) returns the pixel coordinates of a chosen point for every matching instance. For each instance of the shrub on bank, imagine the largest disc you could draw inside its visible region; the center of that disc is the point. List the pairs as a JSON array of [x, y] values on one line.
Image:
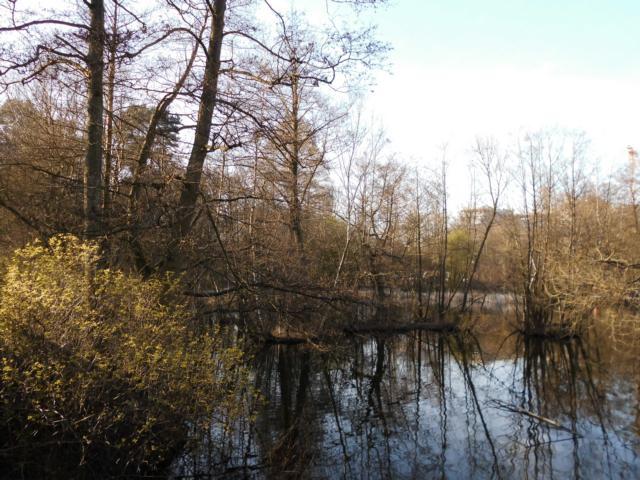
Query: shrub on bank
[[101, 374]]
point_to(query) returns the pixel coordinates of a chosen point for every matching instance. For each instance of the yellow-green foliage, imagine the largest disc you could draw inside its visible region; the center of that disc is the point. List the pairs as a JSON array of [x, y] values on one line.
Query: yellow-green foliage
[[101, 363]]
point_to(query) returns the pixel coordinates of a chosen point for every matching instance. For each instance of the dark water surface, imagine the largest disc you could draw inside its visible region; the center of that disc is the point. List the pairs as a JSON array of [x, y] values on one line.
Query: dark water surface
[[425, 405]]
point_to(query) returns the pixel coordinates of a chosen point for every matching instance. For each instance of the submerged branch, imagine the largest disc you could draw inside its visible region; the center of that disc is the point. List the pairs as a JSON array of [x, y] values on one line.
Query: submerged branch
[[515, 409]]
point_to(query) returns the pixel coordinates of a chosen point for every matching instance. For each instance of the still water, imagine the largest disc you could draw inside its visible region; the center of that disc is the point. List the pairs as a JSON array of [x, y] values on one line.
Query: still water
[[424, 405]]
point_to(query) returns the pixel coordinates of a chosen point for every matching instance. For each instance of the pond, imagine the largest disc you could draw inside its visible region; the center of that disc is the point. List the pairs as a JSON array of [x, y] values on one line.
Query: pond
[[425, 405]]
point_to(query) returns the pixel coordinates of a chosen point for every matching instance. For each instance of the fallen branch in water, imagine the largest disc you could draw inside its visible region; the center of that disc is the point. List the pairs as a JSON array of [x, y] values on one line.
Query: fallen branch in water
[[303, 291], [515, 409]]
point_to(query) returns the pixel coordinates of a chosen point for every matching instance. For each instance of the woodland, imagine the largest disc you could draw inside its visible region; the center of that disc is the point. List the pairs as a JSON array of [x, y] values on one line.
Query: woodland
[[180, 178]]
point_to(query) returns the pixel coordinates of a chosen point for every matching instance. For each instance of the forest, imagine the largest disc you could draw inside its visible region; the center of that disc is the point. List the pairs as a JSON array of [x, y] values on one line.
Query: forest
[[200, 218]]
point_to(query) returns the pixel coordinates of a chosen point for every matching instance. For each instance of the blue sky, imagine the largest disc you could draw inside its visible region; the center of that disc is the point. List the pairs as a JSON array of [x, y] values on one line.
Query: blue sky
[[581, 36]]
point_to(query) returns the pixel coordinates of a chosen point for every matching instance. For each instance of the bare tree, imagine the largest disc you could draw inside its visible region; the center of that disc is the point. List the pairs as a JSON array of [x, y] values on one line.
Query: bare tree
[[200, 147], [492, 163]]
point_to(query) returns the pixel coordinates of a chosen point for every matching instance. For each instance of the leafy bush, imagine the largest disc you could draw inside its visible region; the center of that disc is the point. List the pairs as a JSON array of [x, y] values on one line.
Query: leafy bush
[[100, 373]]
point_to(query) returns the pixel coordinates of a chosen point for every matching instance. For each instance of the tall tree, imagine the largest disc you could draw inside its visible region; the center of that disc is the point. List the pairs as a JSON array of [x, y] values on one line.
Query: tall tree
[[200, 147], [66, 46], [95, 111]]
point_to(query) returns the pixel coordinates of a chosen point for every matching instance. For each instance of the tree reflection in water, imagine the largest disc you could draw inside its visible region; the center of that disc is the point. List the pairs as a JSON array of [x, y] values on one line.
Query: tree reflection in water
[[435, 406]]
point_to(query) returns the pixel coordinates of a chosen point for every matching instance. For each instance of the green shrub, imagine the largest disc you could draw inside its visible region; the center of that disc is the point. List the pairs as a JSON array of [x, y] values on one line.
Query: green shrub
[[100, 373]]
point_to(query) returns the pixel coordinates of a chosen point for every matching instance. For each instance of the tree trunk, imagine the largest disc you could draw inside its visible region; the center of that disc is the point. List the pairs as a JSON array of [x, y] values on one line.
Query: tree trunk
[[445, 244], [419, 247], [133, 222], [108, 154], [376, 276], [476, 259], [191, 185], [95, 110], [295, 207]]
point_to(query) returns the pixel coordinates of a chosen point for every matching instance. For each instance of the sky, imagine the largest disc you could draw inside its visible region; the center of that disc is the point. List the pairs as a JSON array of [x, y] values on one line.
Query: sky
[[462, 68], [466, 68]]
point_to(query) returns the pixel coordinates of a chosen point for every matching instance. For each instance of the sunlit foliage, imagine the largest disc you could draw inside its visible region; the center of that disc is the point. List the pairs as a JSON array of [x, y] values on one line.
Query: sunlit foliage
[[100, 364]]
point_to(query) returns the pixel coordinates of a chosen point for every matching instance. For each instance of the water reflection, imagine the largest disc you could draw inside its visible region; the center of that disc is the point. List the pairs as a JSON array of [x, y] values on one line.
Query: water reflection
[[436, 406]]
